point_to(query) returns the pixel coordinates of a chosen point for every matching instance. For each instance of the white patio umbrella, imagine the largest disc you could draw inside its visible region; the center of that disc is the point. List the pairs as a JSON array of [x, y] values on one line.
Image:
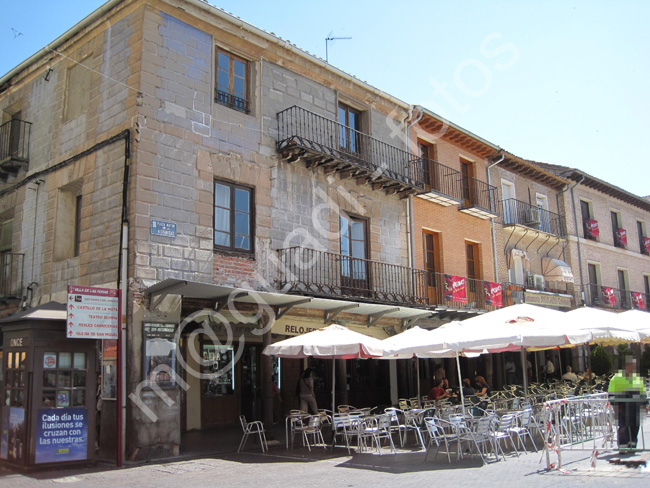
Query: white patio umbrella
[[606, 327], [398, 347], [331, 342], [636, 320]]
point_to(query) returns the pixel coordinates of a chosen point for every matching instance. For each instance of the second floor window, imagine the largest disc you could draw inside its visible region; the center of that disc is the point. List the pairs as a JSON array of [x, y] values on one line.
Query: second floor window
[[350, 120], [233, 217], [232, 81]]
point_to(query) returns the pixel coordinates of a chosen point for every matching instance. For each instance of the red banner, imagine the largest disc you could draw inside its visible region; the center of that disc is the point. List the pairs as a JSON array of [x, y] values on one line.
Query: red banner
[[592, 228], [607, 294], [493, 294], [638, 300], [646, 244], [455, 288], [621, 237]]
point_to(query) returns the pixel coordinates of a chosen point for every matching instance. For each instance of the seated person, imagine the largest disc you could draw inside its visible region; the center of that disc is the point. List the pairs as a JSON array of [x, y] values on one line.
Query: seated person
[[467, 388], [482, 388], [570, 375], [437, 392]]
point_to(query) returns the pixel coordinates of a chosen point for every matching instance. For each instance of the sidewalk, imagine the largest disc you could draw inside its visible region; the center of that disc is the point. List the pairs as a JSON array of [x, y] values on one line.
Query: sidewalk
[[323, 467]]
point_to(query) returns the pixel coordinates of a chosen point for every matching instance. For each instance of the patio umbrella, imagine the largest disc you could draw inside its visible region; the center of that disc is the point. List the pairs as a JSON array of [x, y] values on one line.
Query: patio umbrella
[[636, 320], [331, 342], [398, 347], [606, 327]]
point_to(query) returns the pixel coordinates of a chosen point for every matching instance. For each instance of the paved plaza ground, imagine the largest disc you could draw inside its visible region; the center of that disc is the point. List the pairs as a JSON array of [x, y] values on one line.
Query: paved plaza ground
[[321, 467]]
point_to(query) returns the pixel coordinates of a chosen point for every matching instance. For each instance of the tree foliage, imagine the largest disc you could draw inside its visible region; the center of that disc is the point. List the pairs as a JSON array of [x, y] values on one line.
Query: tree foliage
[[601, 361]]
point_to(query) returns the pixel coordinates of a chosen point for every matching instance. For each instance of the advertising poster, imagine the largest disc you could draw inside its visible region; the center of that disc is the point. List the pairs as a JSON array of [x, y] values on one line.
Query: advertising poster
[[592, 228], [455, 288], [4, 433], [493, 294], [61, 435], [15, 433], [608, 295], [621, 237], [159, 353], [646, 244], [638, 300]]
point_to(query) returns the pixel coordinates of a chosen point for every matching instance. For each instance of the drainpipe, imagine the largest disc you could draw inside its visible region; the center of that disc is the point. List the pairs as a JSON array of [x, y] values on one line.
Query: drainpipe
[[409, 212], [494, 236], [575, 222]]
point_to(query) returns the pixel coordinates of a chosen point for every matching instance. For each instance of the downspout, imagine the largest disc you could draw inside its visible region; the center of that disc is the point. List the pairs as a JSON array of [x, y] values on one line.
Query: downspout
[[409, 213], [575, 222], [494, 235]]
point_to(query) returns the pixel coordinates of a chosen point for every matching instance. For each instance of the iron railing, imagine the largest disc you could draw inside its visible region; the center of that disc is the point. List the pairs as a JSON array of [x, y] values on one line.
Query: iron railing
[[14, 142], [477, 193], [298, 127], [11, 274], [439, 289], [619, 298], [442, 179], [327, 274], [516, 212], [232, 101]]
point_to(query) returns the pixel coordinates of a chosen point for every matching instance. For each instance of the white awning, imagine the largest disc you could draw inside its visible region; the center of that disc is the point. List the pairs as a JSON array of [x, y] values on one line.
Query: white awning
[[556, 270]]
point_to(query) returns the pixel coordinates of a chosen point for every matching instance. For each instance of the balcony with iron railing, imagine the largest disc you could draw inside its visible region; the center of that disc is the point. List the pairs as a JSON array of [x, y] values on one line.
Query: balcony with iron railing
[[231, 101], [14, 146], [479, 198], [11, 275], [516, 212], [330, 275], [325, 143], [442, 184], [597, 295], [441, 293]]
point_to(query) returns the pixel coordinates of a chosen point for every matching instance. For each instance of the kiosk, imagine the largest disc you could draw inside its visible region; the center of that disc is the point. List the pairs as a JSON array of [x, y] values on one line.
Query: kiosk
[[49, 387]]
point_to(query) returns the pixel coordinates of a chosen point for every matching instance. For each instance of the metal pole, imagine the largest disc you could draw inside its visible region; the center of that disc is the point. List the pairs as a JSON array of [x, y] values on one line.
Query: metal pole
[[460, 380]]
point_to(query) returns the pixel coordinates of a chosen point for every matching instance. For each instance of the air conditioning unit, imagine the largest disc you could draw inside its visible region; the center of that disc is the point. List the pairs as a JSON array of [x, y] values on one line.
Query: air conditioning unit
[[532, 216], [539, 282]]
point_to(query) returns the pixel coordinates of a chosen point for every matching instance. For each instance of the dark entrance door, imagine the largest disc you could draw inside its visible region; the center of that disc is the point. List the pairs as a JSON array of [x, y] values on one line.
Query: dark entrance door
[[355, 279]]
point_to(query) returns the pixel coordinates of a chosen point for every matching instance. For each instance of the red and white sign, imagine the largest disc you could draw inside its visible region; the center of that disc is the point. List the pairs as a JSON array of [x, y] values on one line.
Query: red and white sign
[[607, 295], [92, 313], [49, 360], [493, 294], [592, 228], [638, 300], [621, 237], [646, 244]]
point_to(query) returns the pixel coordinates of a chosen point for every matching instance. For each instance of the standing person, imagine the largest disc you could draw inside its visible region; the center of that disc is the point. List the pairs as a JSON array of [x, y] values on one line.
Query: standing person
[[627, 394], [549, 369], [511, 371], [306, 391]]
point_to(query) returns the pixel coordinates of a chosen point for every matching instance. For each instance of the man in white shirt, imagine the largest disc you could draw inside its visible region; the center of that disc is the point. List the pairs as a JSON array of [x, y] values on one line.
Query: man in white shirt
[[570, 375]]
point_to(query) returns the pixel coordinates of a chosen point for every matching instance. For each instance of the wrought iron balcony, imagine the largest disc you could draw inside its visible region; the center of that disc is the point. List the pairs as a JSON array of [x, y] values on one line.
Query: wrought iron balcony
[[322, 142], [614, 298], [442, 184], [11, 275], [14, 146], [331, 275], [440, 292], [516, 212], [232, 101], [479, 199]]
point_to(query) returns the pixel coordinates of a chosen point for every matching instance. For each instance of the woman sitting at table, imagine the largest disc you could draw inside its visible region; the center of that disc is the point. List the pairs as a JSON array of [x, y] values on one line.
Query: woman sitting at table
[[482, 388], [437, 392], [467, 388]]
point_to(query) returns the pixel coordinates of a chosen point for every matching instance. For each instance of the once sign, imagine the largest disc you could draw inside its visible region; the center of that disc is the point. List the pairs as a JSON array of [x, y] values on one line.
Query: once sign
[[92, 313]]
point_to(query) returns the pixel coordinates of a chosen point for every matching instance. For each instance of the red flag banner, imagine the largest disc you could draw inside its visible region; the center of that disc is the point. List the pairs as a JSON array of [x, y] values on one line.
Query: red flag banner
[[621, 237], [638, 300], [592, 228], [646, 244], [607, 294], [493, 294], [455, 289]]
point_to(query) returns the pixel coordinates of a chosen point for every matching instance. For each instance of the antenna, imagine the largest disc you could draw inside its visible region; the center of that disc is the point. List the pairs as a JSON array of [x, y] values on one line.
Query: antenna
[[330, 38]]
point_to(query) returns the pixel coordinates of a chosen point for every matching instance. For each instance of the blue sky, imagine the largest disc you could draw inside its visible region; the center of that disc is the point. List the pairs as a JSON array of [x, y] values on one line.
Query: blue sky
[[563, 82]]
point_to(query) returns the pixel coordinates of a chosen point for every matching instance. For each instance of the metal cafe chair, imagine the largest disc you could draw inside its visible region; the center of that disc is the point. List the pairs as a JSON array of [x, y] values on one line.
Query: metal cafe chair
[[255, 427]]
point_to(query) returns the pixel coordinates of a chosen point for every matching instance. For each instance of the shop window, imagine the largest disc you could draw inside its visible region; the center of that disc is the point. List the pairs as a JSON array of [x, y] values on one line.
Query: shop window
[[219, 379], [64, 379]]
